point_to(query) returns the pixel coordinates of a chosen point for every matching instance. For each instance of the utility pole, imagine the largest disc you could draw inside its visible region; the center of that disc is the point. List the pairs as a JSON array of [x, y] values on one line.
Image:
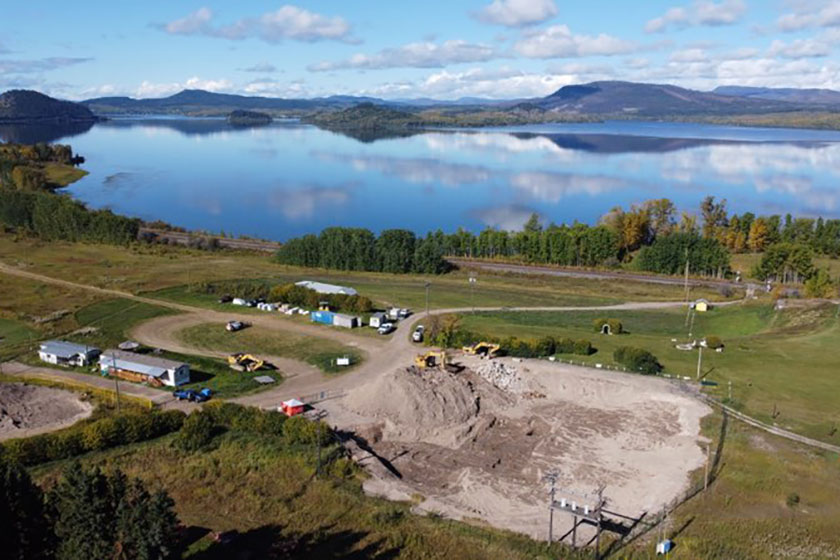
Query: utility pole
[[116, 381], [428, 284], [687, 266], [699, 360], [473, 280], [708, 460], [551, 477]]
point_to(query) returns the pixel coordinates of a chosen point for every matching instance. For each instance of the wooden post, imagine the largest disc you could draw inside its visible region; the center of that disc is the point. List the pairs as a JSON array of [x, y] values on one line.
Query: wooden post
[[574, 533]]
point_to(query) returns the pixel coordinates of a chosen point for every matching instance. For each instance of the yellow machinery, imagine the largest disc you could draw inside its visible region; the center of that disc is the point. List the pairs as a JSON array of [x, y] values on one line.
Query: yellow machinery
[[245, 362], [430, 359], [488, 349]]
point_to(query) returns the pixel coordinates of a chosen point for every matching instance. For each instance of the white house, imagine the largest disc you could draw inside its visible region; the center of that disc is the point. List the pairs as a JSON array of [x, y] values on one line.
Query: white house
[[149, 369], [63, 353], [322, 288]]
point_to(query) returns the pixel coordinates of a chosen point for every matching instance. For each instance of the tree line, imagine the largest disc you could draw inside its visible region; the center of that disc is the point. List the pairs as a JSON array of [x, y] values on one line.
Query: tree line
[[22, 166], [55, 217]]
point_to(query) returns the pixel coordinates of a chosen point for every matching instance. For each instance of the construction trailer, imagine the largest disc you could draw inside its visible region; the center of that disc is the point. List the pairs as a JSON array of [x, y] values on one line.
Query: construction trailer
[[61, 353], [144, 369], [292, 407], [377, 320], [346, 321], [323, 317]]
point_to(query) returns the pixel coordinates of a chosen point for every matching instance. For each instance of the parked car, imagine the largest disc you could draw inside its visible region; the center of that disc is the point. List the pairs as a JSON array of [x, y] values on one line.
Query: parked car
[[184, 394], [202, 396], [404, 313], [417, 335], [385, 328], [233, 326]]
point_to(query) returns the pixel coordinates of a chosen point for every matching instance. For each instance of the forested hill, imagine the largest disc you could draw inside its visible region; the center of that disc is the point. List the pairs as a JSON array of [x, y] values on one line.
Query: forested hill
[[366, 116], [25, 106]]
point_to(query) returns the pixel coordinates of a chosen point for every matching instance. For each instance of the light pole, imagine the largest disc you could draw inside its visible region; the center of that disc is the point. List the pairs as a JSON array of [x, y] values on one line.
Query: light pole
[[473, 280]]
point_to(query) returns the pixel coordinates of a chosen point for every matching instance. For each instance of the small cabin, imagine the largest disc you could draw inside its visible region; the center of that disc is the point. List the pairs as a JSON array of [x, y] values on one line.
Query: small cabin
[[292, 407], [701, 305], [60, 353]]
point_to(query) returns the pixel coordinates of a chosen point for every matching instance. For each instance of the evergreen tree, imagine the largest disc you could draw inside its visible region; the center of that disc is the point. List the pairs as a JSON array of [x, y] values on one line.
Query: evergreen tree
[[25, 533]]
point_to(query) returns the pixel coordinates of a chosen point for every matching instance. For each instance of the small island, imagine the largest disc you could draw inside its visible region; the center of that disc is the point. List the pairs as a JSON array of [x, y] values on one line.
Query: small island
[[248, 118]]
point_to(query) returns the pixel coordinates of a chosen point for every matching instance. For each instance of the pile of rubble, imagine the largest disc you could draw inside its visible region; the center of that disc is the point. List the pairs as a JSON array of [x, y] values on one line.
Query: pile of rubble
[[502, 376]]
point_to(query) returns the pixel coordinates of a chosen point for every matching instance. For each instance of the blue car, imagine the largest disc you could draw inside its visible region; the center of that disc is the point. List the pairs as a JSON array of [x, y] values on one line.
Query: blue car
[[192, 395]]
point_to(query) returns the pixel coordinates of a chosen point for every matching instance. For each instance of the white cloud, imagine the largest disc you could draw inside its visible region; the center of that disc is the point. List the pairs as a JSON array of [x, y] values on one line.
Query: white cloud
[[811, 14], [287, 22], [414, 55], [689, 55], [554, 187], [263, 67], [701, 12], [152, 89], [39, 65], [800, 48], [518, 13], [558, 41]]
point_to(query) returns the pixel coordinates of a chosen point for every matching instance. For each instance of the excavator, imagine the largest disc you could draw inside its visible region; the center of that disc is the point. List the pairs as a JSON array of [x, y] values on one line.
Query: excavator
[[430, 359], [485, 349], [245, 362]]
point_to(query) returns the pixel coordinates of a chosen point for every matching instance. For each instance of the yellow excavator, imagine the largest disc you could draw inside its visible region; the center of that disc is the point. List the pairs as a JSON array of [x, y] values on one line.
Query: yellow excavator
[[488, 349], [245, 362], [430, 359]]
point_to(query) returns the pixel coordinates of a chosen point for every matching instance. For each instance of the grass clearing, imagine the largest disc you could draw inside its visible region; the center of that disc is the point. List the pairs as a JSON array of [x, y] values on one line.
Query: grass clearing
[[745, 262], [319, 352], [113, 319], [268, 493], [783, 365], [62, 175], [745, 514]]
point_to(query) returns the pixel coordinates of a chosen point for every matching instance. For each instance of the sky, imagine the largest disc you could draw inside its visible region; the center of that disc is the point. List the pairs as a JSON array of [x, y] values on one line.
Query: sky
[[440, 49]]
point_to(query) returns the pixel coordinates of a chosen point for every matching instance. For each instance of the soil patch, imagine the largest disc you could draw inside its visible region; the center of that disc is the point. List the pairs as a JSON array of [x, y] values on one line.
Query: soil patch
[[26, 410]]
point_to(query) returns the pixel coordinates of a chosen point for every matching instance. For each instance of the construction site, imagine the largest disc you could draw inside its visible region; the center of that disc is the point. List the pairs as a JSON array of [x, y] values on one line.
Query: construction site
[[476, 439]]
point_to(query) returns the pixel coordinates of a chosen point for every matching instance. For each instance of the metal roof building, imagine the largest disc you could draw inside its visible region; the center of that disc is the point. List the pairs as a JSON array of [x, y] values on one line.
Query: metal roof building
[[322, 288], [60, 352], [139, 367]]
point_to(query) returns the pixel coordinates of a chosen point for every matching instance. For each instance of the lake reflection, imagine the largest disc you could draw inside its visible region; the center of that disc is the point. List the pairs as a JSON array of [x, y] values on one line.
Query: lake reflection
[[287, 179]]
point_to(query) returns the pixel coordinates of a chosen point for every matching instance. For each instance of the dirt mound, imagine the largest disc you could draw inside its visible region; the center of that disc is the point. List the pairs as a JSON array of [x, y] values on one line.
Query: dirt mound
[[429, 405], [27, 410]]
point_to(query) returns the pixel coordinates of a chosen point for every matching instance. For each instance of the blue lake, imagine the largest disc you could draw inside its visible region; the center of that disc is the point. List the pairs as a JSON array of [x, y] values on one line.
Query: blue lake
[[288, 179]]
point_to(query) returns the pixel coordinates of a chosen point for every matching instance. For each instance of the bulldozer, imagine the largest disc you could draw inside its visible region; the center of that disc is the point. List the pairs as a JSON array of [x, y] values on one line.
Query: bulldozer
[[245, 362], [430, 359], [485, 349]]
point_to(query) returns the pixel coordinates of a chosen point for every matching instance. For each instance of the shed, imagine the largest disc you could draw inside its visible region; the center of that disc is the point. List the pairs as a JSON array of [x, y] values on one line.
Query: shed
[[346, 321], [292, 407], [63, 353], [324, 317], [701, 305], [144, 369], [377, 319], [322, 288]]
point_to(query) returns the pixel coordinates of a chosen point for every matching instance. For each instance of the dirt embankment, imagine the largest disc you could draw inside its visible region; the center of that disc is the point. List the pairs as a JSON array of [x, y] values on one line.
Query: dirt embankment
[[26, 410], [477, 444]]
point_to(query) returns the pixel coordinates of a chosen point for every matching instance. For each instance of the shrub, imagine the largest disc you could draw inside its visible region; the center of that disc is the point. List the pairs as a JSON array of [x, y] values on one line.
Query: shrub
[[545, 346], [298, 430], [615, 325], [583, 347], [637, 359], [792, 499], [102, 434], [196, 432], [714, 342]]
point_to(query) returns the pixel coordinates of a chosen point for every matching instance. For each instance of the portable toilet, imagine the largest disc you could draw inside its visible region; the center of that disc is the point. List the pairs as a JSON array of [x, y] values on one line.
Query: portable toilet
[[292, 407], [323, 317]]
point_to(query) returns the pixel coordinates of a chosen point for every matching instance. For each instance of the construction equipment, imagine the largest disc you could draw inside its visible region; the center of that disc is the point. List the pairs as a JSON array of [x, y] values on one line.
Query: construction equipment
[[245, 362], [431, 359], [486, 349]]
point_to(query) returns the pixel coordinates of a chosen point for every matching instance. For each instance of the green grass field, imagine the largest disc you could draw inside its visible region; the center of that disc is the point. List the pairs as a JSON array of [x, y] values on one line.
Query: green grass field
[[784, 361], [14, 334], [319, 352]]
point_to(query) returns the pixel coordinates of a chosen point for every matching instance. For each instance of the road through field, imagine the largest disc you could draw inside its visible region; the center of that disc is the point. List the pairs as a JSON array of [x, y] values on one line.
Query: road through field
[[301, 379]]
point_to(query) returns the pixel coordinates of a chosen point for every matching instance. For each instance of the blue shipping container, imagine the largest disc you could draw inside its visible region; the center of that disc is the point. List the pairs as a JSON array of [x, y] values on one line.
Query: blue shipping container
[[325, 317]]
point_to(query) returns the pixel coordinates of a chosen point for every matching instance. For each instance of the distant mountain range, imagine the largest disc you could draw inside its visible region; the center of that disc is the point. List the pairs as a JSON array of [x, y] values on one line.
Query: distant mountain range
[[25, 106], [596, 100], [791, 95]]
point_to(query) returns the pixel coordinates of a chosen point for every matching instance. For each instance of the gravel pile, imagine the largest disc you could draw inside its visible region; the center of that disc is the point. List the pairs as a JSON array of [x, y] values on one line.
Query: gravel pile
[[501, 376]]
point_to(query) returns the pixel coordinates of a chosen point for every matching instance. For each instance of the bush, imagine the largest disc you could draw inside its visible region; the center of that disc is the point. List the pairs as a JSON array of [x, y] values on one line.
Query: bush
[[583, 348], [714, 342], [197, 431], [636, 359], [297, 430], [545, 346], [93, 436], [615, 325]]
